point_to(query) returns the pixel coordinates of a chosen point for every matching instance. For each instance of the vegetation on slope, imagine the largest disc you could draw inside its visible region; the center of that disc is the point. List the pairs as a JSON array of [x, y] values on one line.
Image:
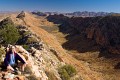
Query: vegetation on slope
[[66, 72], [8, 32]]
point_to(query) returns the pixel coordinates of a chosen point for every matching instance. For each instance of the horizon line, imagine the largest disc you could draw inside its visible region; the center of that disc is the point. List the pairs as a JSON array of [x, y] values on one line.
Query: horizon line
[[54, 11]]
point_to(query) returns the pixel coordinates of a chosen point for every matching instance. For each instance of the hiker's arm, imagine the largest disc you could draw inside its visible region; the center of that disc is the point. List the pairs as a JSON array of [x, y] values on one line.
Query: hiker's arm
[[6, 62], [20, 59]]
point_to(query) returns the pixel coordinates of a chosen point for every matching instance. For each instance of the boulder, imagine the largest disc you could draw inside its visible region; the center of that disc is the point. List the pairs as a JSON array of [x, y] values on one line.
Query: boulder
[[21, 49]]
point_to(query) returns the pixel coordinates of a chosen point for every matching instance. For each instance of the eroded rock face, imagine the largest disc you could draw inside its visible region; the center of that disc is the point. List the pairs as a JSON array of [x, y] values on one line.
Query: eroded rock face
[[105, 31]]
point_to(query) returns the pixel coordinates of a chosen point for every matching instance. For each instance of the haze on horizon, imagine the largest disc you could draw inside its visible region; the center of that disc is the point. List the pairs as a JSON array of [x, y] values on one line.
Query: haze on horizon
[[61, 5]]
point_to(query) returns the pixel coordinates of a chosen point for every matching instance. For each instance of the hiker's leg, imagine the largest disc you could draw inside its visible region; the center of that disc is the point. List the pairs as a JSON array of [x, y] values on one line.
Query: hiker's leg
[[22, 66], [10, 68]]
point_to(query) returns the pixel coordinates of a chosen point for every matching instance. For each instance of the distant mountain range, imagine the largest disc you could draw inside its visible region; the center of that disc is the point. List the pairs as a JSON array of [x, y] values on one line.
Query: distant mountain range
[[72, 14], [76, 14], [88, 14]]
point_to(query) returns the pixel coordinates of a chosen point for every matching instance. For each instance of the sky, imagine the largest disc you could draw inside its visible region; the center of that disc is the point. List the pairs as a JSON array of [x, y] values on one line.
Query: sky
[[60, 5]]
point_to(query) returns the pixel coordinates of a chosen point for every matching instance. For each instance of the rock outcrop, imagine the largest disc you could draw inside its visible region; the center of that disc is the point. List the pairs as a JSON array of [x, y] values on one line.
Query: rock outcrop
[[21, 15], [39, 62]]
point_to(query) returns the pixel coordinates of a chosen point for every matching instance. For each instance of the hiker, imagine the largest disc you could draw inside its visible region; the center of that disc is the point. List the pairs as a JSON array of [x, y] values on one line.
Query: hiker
[[11, 60]]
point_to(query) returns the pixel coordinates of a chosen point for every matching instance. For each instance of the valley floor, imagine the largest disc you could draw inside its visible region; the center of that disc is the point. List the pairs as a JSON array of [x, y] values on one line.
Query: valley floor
[[104, 67]]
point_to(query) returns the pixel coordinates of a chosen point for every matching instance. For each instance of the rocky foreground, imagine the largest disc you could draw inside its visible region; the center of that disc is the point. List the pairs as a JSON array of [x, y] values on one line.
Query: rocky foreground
[[39, 62]]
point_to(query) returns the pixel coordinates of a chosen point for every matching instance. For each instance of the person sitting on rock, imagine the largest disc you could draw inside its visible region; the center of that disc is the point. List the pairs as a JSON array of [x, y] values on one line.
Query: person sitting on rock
[[11, 60]]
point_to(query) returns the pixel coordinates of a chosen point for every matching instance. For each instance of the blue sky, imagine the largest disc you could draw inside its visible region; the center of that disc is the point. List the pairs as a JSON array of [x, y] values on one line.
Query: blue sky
[[61, 5]]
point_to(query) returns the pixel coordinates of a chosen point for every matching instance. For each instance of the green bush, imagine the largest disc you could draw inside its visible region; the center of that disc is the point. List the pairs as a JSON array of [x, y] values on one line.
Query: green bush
[[70, 70], [26, 47], [26, 33], [31, 40], [67, 71], [9, 33], [64, 74]]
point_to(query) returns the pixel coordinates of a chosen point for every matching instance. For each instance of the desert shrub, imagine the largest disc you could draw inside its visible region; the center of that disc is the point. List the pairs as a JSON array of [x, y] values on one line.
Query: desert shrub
[[32, 77], [64, 75], [2, 53], [9, 33], [70, 70], [28, 70], [26, 33], [31, 40], [51, 75], [26, 47], [67, 71]]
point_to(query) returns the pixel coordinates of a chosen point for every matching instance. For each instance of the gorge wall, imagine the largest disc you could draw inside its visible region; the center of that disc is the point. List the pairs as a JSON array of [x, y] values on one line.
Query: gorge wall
[[102, 33]]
